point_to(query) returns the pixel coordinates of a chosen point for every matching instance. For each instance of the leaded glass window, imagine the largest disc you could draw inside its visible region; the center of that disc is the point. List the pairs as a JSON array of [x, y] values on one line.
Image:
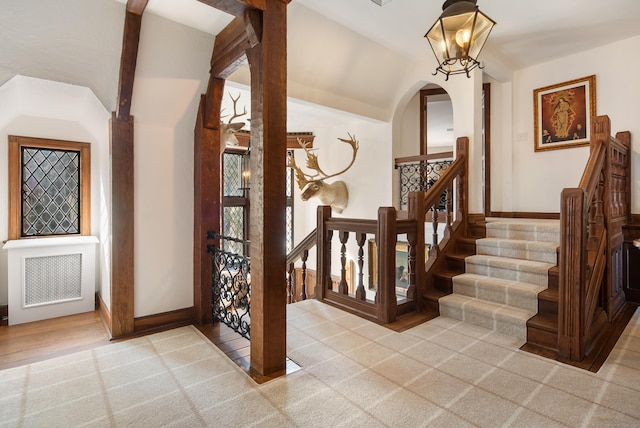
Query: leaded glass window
[[235, 223], [49, 187], [50, 192], [235, 210]]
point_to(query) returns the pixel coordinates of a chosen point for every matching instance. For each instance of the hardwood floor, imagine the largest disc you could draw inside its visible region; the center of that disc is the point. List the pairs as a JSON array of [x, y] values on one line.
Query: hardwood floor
[[37, 341], [41, 340]]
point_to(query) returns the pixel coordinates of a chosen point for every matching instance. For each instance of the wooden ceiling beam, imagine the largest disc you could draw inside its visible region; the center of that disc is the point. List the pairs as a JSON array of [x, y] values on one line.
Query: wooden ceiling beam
[[136, 6], [236, 8], [229, 49], [129, 57]]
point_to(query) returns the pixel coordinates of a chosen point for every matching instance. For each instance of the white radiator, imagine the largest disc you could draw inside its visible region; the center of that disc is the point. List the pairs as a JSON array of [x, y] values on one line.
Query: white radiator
[[50, 277]]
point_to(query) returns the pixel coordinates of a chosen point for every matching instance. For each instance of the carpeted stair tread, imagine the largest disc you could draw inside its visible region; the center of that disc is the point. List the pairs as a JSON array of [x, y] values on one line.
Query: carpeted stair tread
[[518, 294], [541, 231], [504, 279], [502, 318], [530, 271], [519, 249]]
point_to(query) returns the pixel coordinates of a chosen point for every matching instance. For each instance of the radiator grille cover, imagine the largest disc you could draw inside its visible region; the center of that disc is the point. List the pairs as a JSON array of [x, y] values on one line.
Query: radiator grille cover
[[52, 279]]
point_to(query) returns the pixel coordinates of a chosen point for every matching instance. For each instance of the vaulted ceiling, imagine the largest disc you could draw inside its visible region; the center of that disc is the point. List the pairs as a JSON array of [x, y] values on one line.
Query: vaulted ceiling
[[351, 51]]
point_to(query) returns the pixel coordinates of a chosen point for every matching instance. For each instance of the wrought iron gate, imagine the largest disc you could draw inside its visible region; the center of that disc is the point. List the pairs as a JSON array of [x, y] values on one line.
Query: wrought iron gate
[[231, 283], [420, 177]]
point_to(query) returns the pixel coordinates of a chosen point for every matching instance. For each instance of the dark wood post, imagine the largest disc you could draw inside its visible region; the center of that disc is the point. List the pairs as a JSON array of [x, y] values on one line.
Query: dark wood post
[[122, 184], [206, 210], [416, 213], [386, 237], [323, 254], [122, 220], [268, 62]]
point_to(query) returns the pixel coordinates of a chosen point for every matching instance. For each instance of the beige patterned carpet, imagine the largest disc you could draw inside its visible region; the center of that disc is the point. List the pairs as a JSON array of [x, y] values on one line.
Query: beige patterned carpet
[[354, 373]]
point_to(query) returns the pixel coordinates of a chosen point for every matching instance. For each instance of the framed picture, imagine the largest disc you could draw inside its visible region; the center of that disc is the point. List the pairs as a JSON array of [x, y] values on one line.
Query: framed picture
[[562, 114]]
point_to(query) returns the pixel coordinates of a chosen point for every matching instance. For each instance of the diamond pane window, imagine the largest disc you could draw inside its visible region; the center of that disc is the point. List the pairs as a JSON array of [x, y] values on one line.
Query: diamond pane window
[[232, 169], [49, 190], [233, 227]]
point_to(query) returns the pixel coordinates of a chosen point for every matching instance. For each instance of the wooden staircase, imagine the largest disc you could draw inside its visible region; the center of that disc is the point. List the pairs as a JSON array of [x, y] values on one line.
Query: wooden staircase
[[500, 284], [542, 329], [443, 277]]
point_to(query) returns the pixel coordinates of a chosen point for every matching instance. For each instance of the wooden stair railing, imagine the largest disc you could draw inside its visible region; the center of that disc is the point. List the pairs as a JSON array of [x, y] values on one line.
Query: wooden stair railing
[[591, 220], [443, 261], [385, 307], [300, 252]]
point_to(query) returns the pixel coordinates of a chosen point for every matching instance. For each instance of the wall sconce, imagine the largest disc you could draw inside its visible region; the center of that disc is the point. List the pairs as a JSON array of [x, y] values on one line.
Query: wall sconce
[[458, 36], [245, 172]]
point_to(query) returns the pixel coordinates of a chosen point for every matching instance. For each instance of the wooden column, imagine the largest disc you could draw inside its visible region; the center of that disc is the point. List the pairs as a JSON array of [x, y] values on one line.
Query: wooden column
[[121, 226], [122, 185], [268, 62], [206, 210]]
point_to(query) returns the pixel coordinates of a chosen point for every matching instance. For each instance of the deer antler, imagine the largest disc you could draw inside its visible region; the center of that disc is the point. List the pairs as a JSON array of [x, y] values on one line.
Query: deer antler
[[312, 163], [235, 113]]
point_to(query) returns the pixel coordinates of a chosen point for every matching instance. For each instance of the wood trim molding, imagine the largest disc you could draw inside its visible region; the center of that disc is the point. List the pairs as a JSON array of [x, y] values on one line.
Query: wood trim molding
[[244, 136], [532, 215], [4, 315], [164, 320], [104, 313]]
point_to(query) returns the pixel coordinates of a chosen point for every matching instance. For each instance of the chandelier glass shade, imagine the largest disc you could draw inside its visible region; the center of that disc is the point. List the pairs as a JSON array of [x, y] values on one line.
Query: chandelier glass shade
[[458, 36]]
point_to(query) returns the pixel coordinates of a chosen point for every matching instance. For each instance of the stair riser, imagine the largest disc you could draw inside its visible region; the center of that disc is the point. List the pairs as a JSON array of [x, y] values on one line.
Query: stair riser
[[547, 307], [498, 294], [537, 278], [542, 338], [455, 264], [488, 320], [521, 232], [518, 253], [443, 284]]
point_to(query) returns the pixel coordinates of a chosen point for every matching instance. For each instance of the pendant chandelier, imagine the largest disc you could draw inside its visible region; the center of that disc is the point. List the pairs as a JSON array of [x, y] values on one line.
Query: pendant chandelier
[[458, 36]]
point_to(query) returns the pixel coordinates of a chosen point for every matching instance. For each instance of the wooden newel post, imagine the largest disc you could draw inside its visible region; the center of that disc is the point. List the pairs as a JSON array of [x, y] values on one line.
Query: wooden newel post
[[323, 255], [416, 213], [386, 238], [572, 273]]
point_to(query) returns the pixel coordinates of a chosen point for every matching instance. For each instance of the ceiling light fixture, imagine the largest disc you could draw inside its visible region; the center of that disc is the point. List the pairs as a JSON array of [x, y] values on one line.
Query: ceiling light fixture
[[458, 36]]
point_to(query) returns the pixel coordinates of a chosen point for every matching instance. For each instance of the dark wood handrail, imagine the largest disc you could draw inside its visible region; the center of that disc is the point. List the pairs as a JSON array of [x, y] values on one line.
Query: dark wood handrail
[[306, 244], [423, 158], [432, 195], [352, 224]]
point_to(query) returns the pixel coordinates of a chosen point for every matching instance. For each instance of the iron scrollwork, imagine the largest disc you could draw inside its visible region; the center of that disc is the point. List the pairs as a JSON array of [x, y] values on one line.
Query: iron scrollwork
[[231, 285], [419, 177]]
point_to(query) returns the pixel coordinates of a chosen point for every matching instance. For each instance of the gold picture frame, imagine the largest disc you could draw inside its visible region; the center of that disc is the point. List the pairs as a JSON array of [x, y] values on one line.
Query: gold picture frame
[[562, 114]]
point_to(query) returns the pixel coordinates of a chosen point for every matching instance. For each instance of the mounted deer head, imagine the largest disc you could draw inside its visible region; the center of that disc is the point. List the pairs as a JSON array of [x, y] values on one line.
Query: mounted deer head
[[334, 194], [228, 130]]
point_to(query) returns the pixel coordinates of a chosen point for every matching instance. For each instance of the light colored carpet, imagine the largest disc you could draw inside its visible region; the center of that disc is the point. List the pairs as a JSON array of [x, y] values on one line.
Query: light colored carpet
[[500, 286], [354, 374]]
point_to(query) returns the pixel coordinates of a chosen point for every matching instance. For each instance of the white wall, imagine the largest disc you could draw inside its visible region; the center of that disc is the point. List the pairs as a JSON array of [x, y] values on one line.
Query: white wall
[[171, 74], [43, 109], [538, 178]]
